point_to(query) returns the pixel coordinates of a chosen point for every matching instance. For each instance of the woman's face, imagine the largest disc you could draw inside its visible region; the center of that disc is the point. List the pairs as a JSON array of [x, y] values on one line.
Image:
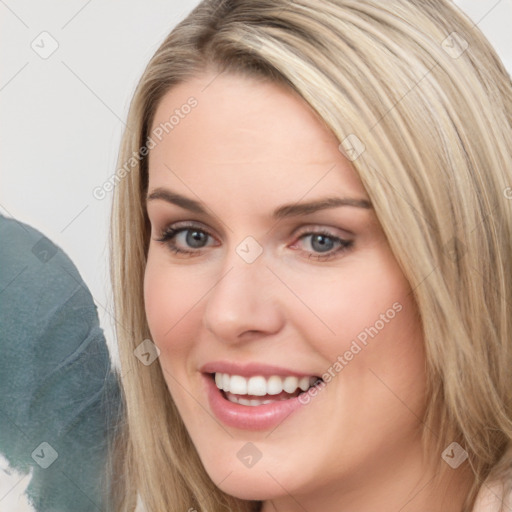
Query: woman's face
[[267, 266]]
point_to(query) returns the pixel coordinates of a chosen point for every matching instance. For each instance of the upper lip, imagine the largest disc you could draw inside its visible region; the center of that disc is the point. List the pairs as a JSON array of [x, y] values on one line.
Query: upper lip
[[250, 369]]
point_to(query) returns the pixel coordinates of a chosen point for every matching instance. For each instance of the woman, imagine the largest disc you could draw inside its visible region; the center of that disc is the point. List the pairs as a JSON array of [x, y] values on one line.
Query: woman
[[311, 254]]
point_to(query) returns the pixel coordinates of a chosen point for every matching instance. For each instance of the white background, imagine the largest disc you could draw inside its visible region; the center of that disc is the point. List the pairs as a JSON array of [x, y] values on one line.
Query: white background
[[62, 120]]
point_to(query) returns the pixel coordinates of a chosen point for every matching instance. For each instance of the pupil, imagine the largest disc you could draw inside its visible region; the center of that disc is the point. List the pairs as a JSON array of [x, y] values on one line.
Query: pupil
[[321, 243], [196, 238]]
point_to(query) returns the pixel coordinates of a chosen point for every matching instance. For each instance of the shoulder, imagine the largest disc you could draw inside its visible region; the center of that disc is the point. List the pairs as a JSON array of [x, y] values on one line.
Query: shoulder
[[493, 497]]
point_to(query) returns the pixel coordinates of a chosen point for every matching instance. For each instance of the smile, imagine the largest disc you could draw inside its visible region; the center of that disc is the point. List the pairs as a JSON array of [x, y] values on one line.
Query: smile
[[242, 390], [255, 402]]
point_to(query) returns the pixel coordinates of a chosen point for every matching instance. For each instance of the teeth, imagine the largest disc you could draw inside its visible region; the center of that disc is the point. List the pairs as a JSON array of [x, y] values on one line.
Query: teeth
[[261, 386], [304, 383], [239, 384], [290, 384], [250, 403], [255, 386], [225, 382], [274, 385]]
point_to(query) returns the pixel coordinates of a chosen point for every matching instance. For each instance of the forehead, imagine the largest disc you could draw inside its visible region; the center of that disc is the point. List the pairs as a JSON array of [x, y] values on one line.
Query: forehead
[[243, 131]]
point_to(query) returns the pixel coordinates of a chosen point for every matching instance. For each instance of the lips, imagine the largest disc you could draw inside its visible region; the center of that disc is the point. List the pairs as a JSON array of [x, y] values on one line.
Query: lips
[[251, 369], [254, 397]]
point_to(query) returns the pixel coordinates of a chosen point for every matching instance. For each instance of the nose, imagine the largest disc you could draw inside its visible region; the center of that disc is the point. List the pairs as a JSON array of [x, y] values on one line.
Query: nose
[[244, 303]]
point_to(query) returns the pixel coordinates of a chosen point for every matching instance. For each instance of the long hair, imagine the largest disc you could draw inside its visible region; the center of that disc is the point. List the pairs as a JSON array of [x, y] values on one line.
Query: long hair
[[422, 107]]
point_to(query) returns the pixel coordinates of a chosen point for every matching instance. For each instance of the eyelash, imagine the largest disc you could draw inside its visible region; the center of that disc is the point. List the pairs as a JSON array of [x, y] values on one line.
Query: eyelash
[[169, 233]]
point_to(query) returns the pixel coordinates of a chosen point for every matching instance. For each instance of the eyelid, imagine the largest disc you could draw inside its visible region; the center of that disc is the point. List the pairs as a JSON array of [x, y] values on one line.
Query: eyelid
[[171, 230], [186, 224], [165, 216], [333, 231], [304, 229]]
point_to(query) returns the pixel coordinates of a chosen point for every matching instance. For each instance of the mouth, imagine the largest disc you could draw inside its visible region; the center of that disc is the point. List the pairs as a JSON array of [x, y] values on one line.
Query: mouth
[[261, 390], [256, 396]]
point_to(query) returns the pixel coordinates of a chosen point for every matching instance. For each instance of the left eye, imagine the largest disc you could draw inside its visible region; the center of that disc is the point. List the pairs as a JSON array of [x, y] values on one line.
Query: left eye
[[323, 244], [320, 242], [193, 238]]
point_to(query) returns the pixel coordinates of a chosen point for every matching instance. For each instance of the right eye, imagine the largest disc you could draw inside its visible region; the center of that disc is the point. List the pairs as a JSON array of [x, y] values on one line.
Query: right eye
[[186, 240]]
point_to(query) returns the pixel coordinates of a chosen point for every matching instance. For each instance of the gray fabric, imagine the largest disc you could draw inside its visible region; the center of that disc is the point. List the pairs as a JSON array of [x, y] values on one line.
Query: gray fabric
[[56, 380]]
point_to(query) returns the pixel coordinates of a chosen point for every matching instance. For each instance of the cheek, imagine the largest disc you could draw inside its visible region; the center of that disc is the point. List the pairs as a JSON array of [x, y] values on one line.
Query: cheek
[[352, 302], [364, 319], [172, 300], [170, 297]]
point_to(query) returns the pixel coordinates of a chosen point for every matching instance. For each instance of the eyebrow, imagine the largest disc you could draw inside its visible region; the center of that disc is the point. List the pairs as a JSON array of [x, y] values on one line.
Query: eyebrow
[[287, 210]]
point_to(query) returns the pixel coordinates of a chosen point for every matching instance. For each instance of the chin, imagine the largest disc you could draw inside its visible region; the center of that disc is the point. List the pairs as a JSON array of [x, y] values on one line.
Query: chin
[[263, 481], [251, 487]]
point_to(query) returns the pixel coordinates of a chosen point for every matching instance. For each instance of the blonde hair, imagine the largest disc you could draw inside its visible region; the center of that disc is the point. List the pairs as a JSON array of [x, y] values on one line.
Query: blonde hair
[[420, 95]]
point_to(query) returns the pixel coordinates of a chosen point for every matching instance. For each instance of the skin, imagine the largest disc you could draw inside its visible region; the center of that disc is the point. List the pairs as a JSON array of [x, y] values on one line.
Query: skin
[[246, 149]]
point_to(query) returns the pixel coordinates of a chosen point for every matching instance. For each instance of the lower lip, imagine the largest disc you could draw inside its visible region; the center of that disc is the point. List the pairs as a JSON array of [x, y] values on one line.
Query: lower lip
[[259, 417]]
